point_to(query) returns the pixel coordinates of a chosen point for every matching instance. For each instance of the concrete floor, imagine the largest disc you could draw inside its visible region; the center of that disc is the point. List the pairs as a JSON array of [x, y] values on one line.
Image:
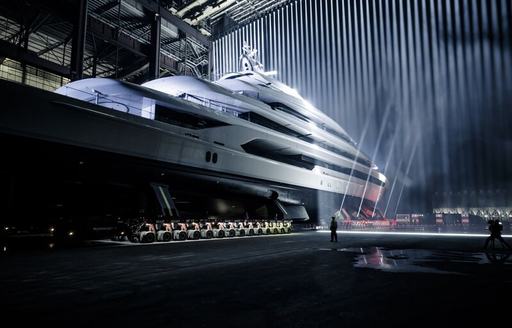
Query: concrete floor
[[298, 280]]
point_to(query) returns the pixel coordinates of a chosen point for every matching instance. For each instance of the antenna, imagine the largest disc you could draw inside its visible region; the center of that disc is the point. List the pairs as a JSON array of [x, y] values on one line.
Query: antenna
[[249, 59]]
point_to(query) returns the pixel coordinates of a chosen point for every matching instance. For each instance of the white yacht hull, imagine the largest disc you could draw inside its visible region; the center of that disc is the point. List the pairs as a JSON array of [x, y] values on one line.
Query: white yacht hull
[[41, 115]]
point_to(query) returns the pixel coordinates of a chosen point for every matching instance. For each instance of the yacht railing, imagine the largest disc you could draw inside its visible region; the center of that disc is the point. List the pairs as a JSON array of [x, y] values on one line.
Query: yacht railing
[[116, 102], [210, 103], [126, 105]]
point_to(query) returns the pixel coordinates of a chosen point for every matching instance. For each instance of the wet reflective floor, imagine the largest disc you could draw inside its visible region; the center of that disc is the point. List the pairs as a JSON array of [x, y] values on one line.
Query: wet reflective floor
[[421, 260], [298, 280]]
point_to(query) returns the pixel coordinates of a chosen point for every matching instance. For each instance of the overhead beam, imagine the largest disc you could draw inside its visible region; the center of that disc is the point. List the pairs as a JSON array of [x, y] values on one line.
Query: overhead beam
[[53, 46], [29, 57], [103, 31], [170, 41], [108, 33], [136, 67], [211, 10], [176, 21], [154, 52], [106, 7], [78, 43], [168, 63], [193, 4]]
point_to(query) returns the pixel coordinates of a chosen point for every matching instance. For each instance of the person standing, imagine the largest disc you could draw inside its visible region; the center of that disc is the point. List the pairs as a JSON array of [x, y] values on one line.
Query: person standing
[[334, 227]]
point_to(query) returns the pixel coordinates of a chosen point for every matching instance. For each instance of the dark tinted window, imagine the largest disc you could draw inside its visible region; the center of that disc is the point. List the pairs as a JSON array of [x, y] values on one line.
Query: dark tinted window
[[237, 76], [345, 154], [263, 121], [337, 134], [186, 120], [337, 168], [291, 111], [286, 109], [304, 161]]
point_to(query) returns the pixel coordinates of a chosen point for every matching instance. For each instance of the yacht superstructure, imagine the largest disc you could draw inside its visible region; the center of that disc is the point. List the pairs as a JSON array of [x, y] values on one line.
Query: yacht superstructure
[[245, 134]]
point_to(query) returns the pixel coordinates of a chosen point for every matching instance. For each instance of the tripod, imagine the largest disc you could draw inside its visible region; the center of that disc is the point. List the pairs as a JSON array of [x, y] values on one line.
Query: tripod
[[492, 238]]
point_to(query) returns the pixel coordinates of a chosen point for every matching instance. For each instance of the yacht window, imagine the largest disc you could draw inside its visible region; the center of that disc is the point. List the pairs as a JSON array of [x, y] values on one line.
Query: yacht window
[[337, 134], [235, 76], [186, 120], [334, 167], [344, 154], [263, 121], [291, 111], [303, 161], [286, 109]]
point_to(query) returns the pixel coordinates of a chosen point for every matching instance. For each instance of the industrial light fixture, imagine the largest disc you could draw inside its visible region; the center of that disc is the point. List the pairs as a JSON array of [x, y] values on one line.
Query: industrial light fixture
[[440, 234]]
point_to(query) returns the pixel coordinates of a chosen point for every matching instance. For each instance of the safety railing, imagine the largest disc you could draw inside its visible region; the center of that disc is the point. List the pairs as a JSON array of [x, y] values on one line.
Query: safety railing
[[116, 102], [210, 103]]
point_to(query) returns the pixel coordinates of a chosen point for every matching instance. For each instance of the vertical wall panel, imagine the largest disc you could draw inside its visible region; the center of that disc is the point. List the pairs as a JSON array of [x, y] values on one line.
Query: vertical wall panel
[[423, 86]]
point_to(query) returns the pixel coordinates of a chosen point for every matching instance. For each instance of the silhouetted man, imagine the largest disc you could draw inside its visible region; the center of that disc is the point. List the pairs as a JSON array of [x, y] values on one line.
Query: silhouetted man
[[495, 227], [334, 227]]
